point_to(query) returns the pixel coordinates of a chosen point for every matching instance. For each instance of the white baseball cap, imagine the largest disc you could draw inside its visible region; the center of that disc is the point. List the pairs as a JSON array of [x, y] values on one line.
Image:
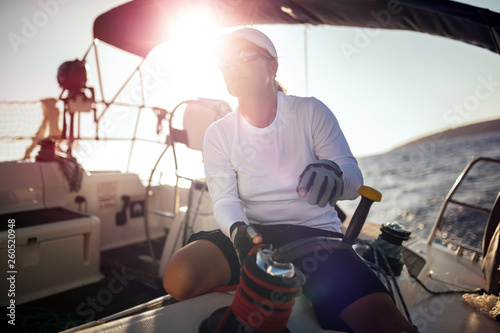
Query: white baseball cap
[[252, 35]]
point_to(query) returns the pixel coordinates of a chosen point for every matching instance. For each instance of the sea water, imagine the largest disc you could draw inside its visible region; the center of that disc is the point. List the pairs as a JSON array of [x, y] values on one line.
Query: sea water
[[414, 180]]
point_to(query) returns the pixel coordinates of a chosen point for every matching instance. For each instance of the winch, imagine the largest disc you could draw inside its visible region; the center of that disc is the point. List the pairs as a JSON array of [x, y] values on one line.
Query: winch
[[389, 242]]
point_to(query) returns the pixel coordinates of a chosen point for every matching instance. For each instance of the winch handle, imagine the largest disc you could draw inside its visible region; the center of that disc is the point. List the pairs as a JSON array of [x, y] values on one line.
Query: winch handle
[[368, 196]]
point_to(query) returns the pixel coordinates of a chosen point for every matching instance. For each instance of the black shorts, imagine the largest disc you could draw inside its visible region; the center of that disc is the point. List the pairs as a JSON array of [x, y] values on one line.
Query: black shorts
[[277, 235], [332, 282]]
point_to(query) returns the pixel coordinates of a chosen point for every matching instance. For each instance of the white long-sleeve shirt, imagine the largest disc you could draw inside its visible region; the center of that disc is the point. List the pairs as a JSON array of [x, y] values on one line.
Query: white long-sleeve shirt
[[252, 173]]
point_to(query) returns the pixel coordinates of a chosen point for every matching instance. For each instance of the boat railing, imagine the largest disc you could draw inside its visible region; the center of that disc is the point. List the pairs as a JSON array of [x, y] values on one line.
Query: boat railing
[[438, 224]]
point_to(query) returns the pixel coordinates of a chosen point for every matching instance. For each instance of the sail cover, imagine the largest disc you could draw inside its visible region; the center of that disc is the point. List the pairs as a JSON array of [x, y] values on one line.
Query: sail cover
[[138, 26]]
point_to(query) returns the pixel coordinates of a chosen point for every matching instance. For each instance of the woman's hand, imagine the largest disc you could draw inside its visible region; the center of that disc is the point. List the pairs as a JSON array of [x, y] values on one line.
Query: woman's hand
[[244, 238], [323, 181]]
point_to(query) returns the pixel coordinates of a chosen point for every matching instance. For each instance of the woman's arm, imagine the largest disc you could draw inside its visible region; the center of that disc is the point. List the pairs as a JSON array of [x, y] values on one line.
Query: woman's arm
[[222, 181], [331, 144]]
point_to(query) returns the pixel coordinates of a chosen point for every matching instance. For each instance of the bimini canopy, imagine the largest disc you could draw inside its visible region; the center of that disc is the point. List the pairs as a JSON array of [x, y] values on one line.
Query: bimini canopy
[[138, 26]]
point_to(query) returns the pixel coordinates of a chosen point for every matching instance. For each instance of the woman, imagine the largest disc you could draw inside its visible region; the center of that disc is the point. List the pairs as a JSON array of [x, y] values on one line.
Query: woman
[[275, 168]]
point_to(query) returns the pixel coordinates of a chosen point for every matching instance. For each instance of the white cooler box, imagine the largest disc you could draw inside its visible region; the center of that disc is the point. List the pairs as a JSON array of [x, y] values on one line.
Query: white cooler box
[[56, 250]]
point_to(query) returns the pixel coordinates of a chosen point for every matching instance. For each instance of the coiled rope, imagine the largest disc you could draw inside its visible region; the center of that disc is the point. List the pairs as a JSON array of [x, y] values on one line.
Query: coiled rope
[[262, 302]]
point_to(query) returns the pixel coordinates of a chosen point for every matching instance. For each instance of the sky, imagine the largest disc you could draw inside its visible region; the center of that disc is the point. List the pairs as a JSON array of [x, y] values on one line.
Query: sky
[[396, 87]]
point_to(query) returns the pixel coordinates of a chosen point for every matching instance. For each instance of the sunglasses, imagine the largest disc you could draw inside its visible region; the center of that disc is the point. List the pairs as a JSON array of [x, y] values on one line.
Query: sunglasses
[[245, 56]]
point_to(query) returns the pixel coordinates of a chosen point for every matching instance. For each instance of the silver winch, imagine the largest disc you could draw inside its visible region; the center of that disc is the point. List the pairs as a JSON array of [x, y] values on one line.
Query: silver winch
[[265, 262]]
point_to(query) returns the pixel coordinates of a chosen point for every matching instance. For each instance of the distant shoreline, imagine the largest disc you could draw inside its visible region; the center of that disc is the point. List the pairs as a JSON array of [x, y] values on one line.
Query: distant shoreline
[[462, 131]]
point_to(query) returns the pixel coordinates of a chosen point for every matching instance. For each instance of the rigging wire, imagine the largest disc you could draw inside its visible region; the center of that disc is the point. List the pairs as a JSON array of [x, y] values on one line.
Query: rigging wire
[[306, 60], [378, 252], [447, 292]]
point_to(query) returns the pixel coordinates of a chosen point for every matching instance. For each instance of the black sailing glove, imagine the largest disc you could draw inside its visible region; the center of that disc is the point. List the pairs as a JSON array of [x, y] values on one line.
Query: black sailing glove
[[244, 238], [323, 180]]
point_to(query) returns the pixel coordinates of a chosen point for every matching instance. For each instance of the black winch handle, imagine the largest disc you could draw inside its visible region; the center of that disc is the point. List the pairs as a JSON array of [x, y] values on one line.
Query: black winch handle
[[368, 196]]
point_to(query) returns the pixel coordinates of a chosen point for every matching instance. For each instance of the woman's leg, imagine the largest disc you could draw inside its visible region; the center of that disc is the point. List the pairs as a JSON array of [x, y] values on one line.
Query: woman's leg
[[196, 268], [375, 313], [348, 296]]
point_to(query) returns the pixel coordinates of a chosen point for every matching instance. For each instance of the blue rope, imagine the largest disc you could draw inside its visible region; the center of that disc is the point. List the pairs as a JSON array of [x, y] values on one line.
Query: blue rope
[[378, 251]]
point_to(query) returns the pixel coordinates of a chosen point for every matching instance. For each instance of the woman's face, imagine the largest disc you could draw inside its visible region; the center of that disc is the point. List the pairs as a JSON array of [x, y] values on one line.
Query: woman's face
[[247, 69]]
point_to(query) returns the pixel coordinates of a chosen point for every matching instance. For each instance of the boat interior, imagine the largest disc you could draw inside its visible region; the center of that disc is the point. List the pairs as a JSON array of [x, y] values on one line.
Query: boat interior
[[87, 246]]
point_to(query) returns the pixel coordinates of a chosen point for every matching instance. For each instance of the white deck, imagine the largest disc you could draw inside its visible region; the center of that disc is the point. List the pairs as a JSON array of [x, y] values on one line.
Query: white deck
[[448, 313]]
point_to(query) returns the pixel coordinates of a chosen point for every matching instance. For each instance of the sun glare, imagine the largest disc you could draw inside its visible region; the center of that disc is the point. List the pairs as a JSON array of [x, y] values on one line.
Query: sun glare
[[195, 23], [189, 54]]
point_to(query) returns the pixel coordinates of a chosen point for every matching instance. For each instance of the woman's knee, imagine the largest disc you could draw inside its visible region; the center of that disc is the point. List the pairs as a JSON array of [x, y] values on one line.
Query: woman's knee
[[379, 314], [178, 276], [195, 269]]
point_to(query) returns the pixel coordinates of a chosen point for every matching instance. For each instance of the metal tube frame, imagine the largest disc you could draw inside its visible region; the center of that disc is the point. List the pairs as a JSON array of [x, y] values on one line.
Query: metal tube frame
[[438, 224]]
